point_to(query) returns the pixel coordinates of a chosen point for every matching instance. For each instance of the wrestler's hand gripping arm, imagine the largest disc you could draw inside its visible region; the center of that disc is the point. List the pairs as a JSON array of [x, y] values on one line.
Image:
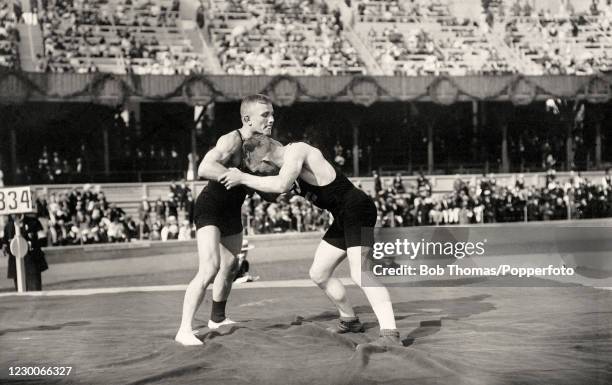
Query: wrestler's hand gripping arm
[[292, 166]]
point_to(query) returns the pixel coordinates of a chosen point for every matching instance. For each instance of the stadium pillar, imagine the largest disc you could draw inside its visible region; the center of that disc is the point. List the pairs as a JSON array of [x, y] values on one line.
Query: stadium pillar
[[12, 122], [505, 159], [598, 144], [355, 150], [569, 144], [192, 159], [355, 116], [504, 148], [135, 117], [106, 153], [475, 108], [597, 117], [430, 147], [13, 152]]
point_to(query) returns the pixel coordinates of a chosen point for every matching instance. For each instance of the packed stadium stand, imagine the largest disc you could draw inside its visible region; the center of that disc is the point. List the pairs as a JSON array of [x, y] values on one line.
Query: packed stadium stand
[[562, 42], [297, 38], [9, 35], [270, 37], [141, 37]]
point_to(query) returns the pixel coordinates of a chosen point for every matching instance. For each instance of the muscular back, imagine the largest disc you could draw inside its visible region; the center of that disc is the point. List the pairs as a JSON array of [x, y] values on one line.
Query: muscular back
[[316, 170]]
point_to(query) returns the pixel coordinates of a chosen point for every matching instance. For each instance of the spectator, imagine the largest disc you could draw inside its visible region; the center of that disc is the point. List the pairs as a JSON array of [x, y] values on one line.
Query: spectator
[[172, 206], [160, 209], [398, 185], [34, 260], [377, 183], [200, 17], [184, 231]]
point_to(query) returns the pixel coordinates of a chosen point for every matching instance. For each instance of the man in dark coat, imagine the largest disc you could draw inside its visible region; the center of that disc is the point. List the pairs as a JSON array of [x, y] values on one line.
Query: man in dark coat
[[34, 260]]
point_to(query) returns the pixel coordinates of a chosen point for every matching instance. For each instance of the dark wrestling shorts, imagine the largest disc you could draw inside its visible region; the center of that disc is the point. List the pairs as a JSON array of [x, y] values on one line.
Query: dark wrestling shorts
[[357, 212], [217, 206]]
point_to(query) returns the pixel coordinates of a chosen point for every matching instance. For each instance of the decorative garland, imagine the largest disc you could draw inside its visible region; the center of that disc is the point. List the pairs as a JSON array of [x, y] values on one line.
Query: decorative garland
[[192, 95], [100, 85], [285, 90]]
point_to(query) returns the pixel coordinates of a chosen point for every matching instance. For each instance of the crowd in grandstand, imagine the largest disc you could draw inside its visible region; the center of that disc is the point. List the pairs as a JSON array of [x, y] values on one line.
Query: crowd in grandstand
[[299, 37], [309, 37], [483, 202], [10, 13], [84, 216], [563, 42], [168, 219], [57, 167], [141, 36], [286, 214], [54, 168], [488, 202]]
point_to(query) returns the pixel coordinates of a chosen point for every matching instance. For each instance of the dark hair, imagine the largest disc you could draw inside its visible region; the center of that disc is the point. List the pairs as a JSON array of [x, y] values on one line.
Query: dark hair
[[255, 141], [255, 148]]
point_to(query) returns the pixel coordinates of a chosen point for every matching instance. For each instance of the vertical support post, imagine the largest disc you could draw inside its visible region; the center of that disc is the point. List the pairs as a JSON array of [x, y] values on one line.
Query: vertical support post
[[475, 110], [106, 151], [13, 152], [430, 148], [135, 110], [354, 116], [569, 143], [598, 143], [504, 146], [355, 150]]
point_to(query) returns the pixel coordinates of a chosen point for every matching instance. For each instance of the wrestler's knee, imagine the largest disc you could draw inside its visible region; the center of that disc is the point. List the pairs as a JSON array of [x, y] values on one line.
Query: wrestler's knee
[[319, 277], [204, 277], [208, 270], [229, 267]]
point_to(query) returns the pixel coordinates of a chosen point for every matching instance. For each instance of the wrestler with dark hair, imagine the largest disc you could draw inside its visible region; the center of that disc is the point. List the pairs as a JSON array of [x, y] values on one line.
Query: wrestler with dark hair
[[318, 181]]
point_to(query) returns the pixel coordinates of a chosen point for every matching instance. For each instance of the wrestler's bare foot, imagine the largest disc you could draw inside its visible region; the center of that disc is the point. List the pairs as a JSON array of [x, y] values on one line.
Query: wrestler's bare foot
[[186, 338]]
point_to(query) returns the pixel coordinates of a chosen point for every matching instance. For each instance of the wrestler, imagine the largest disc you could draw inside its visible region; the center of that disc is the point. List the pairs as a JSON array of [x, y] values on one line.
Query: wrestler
[[318, 181], [218, 220]]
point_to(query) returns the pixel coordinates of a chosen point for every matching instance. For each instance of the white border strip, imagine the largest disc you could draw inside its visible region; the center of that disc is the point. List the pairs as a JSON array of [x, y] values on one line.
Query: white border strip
[[162, 288]]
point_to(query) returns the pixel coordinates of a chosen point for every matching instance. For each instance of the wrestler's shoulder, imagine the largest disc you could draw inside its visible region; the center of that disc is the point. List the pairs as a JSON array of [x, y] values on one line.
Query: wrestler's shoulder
[[300, 148], [229, 141], [231, 137]]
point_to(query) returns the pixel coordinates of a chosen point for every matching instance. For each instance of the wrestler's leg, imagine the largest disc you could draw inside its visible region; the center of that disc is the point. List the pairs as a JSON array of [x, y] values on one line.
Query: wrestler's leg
[[208, 238], [327, 258], [378, 296], [222, 285]]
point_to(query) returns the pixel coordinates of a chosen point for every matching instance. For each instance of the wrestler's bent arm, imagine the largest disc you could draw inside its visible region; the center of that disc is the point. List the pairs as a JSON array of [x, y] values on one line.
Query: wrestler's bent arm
[[212, 166], [278, 183]]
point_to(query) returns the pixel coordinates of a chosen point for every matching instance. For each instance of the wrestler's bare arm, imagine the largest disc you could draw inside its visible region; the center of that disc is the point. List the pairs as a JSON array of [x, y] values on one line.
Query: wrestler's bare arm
[[295, 156], [213, 164]]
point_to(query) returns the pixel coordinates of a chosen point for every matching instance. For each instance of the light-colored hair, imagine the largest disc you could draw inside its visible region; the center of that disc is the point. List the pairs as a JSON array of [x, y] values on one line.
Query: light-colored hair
[[250, 100]]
